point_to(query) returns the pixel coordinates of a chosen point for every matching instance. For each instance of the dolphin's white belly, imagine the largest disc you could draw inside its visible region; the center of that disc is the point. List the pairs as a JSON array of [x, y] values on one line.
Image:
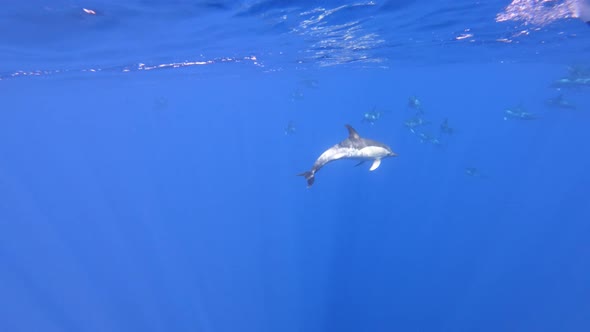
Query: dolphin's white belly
[[366, 153], [372, 152]]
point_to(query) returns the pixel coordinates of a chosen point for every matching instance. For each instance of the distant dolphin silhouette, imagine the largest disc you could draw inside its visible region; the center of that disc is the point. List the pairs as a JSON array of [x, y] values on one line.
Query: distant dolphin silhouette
[[354, 147]]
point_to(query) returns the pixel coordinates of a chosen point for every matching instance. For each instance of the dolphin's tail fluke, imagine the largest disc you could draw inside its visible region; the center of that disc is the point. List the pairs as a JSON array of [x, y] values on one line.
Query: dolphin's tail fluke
[[309, 176]]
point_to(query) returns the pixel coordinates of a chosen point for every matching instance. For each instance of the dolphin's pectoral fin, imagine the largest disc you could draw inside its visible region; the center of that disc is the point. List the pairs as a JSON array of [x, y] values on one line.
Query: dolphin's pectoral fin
[[360, 163], [376, 164]]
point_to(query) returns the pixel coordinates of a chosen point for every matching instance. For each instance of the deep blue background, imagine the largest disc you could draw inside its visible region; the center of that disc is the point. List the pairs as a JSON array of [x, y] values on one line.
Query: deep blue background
[[168, 201]]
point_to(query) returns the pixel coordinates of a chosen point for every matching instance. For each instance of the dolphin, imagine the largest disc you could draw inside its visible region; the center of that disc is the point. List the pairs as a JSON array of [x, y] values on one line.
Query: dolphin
[[354, 147]]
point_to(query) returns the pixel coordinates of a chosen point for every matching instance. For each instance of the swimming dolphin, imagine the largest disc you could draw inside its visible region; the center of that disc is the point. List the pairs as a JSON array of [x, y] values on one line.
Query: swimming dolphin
[[354, 147], [559, 102]]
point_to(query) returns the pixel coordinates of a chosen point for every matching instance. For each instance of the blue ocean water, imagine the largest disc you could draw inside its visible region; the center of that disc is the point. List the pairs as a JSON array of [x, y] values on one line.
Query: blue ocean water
[[149, 152]]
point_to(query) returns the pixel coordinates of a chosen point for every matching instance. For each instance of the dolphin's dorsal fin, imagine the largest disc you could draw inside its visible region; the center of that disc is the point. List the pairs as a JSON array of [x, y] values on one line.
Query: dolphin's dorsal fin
[[352, 134]]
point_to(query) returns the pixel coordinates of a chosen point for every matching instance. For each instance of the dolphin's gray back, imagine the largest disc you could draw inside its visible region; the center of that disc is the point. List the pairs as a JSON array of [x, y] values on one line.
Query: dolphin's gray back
[[359, 143]]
